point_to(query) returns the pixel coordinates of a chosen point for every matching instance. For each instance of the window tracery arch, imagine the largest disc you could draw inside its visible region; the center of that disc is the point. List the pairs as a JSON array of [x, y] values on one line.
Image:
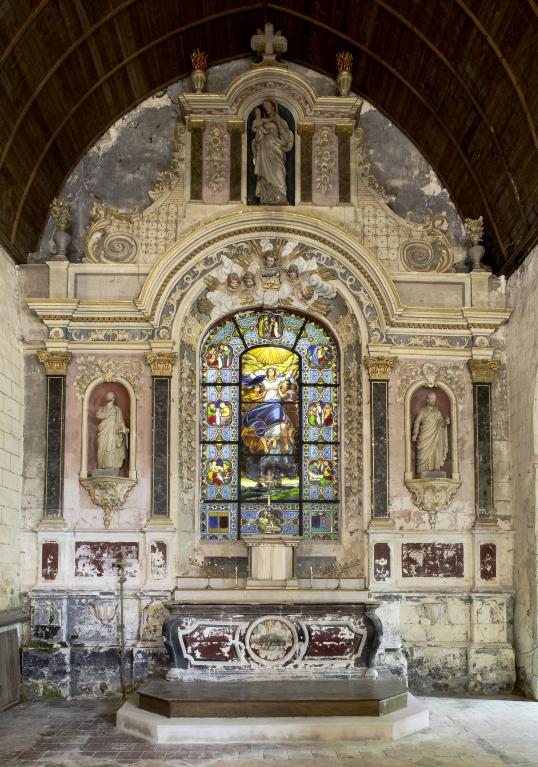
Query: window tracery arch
[[269, 427]]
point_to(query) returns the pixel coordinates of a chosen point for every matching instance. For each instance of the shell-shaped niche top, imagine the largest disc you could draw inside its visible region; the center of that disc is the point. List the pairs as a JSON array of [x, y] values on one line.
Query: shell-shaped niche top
[[268, 139]]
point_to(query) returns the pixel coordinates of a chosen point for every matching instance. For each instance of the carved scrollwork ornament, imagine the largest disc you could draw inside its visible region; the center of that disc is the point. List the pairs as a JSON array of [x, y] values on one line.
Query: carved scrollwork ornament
[[161, 363], [55, 363], [109, 493], [380, 368], [89, 368], [432, 495]]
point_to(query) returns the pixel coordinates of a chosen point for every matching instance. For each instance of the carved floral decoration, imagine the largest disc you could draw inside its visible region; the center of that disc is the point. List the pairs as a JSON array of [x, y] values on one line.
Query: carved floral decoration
[[89, 368]]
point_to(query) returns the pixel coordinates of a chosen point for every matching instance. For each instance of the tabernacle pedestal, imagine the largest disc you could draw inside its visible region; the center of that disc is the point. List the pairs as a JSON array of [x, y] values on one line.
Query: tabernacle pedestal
[[271, 560]]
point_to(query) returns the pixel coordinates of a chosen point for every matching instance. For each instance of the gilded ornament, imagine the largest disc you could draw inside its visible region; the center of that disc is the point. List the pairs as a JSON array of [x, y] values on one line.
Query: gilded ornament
[[483, 371], [161, 363], [344, 78], [109, 493], [55, 363], [325, 160], [380, 368], [432, 495]]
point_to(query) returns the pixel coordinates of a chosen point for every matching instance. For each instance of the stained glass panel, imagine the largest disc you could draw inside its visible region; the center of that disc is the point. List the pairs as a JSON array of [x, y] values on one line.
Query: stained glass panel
[[269, 427]]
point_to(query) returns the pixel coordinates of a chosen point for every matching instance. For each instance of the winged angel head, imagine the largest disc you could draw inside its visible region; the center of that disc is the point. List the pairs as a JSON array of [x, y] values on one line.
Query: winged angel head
[[269, 272]]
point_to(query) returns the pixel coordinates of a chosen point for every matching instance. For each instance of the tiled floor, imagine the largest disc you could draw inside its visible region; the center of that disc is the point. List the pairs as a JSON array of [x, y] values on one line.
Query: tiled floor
[[474, 732]]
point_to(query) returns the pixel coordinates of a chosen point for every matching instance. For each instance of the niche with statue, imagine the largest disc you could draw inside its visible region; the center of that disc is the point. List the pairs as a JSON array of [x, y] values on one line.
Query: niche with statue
[[108, 460], [431, 460]]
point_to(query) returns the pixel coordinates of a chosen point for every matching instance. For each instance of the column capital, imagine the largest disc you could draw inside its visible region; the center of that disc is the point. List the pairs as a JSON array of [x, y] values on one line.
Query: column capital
[[306, 129], [161, 363], [236, 125], [483, 371], [380, 368], [55, 362]]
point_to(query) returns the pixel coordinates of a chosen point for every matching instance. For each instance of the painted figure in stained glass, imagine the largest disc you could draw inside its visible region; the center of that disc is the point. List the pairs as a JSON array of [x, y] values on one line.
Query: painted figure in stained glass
[[219, 356], [321, 472], [320, 355], [269, 422], [320, 414], [270, 326], [219, 472], [219, 413], [269, 521]]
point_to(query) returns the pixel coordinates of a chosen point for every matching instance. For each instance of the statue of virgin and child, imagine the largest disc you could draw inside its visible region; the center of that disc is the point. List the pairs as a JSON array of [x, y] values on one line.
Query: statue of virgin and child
[[272, 140]]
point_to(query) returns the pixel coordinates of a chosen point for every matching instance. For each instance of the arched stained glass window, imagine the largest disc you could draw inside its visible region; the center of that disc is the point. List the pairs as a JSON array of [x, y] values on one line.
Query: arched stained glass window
[[269, 427]]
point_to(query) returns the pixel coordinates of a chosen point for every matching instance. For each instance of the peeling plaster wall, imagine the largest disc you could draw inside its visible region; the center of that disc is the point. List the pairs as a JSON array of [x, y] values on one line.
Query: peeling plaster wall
[[121, 166], [11, 434], [522, 354]]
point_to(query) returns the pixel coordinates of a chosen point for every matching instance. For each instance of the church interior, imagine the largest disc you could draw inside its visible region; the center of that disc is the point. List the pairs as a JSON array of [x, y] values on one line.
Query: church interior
[[268, 383]]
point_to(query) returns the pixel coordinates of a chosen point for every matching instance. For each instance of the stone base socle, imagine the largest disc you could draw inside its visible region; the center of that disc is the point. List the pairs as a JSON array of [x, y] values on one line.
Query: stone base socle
[[160, 729]]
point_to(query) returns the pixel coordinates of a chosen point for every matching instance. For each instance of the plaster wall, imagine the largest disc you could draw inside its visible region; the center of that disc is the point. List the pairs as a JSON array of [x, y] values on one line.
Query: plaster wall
[[522, 355], [11, 432]]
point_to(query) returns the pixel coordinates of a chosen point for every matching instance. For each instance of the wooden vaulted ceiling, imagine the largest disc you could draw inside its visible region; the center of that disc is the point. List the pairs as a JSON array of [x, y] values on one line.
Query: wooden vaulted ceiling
[[459, 77]]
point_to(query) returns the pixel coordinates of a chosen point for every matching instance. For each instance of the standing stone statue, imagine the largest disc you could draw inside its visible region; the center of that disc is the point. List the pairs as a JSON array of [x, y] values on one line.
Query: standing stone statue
[[111, 435], [431, 438], [272, 140]]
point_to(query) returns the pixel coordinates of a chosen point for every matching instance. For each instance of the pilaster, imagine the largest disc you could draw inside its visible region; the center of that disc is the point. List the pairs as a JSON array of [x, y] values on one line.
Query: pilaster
[[482, 374], [55, 364], [161, 364], [379, 370]]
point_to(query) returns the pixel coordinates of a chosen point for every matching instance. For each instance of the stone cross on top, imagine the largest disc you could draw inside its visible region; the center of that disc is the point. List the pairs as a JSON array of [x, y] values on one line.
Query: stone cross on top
[[267, 44]]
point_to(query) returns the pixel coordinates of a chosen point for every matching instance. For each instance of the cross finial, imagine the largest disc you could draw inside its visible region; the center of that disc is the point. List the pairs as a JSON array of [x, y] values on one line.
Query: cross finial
[[268, 44]]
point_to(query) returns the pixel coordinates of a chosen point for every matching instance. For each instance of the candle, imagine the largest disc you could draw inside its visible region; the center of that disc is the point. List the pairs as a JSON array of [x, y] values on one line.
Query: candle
[[311, 577]]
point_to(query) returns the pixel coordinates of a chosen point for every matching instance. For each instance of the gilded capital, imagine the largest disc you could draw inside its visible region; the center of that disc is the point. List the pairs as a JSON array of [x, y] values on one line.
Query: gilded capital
[[483, 371], [380, 368], [55, 363], [161, 363], [236, 125], [306, 129]]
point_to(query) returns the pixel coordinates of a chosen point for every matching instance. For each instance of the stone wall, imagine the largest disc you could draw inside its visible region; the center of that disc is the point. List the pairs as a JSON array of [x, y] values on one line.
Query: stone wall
[[11, 440], [522, 354]]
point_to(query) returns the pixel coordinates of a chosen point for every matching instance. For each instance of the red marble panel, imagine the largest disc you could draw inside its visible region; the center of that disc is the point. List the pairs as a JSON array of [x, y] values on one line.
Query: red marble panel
[[211, 643], [488, 561], [382, 564], [328, 641], [49, 560], [95, 559], [432, 560]]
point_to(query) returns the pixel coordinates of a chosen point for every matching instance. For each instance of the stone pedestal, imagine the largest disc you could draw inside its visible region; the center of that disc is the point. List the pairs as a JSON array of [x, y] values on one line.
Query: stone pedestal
[[271, 560]]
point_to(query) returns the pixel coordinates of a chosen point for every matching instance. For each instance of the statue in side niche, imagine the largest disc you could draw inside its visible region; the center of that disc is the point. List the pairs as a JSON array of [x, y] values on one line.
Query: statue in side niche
[[272, 140], [111, 435], [431, 438]]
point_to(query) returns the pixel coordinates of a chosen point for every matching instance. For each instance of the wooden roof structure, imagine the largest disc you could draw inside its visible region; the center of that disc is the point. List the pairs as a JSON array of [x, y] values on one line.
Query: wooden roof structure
[[459, 77]]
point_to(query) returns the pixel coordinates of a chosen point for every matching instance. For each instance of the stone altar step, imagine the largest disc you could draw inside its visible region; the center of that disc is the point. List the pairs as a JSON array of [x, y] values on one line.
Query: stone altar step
[[273, 698], [276, 729]]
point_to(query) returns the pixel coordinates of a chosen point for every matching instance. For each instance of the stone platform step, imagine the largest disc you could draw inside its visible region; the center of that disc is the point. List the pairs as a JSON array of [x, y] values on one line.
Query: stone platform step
[[276, 729], [263, 698]]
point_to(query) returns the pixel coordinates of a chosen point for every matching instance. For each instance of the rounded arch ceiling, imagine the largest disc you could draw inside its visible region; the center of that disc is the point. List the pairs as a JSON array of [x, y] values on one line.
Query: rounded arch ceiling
[[457, 76]]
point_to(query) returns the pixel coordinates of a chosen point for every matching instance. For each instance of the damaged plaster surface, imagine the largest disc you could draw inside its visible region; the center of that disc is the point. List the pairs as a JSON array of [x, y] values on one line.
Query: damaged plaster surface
[[121, 166]]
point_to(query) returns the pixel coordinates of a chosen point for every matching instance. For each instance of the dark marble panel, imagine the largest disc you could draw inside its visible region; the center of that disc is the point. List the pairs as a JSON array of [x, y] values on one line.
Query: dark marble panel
[[235, 165], [483, 463], [161, 446], [55, 446], [488, 561], [380, 469], [432, 560], [224, 567], [306, 167], [319, 566], [98, 559], [49, 560], [344, 178], [197, 163], [382, 563]]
